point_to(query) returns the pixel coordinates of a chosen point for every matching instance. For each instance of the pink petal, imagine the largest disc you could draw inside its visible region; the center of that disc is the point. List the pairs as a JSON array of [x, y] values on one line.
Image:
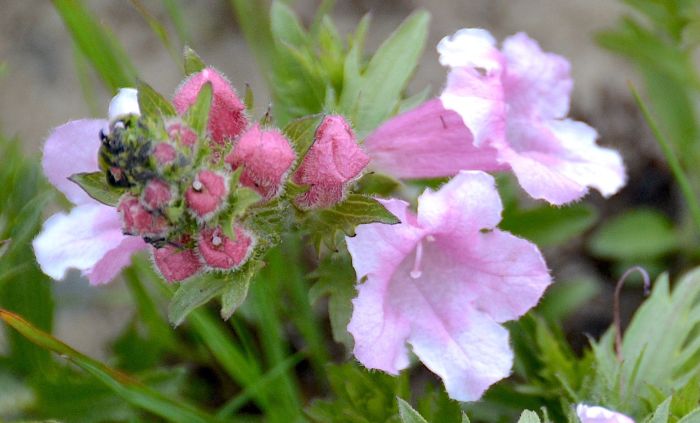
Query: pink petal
[[227, 117], [377, 250], [89, 238], [115, 260], [474, 88], [558, 160], [536, 83], [72, 148], [429, 141], [466, 204], [176, 264]]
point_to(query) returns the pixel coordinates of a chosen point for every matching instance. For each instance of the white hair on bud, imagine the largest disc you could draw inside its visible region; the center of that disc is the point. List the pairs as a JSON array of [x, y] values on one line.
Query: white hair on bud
[[126, 102]]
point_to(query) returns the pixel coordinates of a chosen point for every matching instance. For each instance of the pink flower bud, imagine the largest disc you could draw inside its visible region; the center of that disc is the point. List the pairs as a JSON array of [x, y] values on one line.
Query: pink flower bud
[[156, 195], [331, 163], [266, 157], [206, 194], [227, 114], [138, 221], [176, 264], [180, 134], [220, 252], [164, 153]]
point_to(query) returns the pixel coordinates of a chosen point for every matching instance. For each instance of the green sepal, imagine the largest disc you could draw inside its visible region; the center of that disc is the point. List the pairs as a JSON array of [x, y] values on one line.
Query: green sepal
[[248, 97], [301, 132], [236, 290], [357, 209], [152, 103], [193, 63], [96, 186], [197, 116], [192, 294]]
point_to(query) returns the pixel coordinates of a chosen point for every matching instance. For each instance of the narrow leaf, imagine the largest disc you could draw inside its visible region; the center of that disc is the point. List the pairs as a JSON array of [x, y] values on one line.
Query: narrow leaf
[[408, 414], [96, 186], [529, 417], [236, 289], [131, 390], [301, 132]]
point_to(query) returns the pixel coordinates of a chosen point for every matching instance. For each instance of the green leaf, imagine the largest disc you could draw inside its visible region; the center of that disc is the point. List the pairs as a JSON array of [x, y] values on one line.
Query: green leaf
[[465, 418], [357, 209], [529, 417], [661, 413], [408, 414], [192, 294], [97, 44], [388, 72], [152, 103], [692, 417], [635, 235], [192, 62], [197, 116], [249, 97], [336, 278], [96, 186], [548, 226], [131, 390], [236, 289]]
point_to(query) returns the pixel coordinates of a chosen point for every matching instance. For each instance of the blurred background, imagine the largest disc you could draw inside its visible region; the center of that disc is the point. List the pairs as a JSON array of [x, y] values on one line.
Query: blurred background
[[41, 89]]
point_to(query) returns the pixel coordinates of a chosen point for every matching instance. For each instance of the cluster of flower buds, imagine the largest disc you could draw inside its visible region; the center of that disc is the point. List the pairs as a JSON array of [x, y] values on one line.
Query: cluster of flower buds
[[183, 185]]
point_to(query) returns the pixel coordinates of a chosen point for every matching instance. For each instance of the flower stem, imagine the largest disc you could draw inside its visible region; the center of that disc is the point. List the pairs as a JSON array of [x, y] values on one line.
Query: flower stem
[[616, 305], [672, 159]]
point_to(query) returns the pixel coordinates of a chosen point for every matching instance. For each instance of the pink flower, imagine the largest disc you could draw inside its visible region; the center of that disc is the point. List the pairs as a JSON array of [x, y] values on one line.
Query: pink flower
[[596, 414], [266, 157], [221, 252], [500, 110], [331, 163], [207, 194], [156, 195], [89, 238], [137, 220], [443, 281], [227, 117], [176, 264]]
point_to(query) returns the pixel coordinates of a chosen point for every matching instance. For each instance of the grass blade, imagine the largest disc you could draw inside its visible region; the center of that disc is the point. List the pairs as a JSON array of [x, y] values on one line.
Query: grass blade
[[131, 390]]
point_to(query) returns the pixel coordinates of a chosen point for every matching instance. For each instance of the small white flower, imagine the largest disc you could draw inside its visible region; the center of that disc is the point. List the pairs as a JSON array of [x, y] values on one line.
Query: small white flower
[[126, 102]]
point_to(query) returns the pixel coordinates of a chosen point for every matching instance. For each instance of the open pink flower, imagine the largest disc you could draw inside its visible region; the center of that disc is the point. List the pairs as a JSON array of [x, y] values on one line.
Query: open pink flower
[[500, 109], [89, 238], [443, 281], [597, 414]]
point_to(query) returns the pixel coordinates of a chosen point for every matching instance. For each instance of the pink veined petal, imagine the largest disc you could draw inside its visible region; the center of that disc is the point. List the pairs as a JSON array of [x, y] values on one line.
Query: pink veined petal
[[474, 87], [72, 148], [428, 141], [115, 260], [81, 240], [536, 83], [380, 335], [466, 204], [558, 160], [507, 275], [469, 356]]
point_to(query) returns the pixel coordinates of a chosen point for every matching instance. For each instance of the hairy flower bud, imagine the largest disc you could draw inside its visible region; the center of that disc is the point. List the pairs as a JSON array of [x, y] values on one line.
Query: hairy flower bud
[[176, 264], [206, 194], [137, 220], [164, 153], [221, 252], [266, 157], [227, 113], [156, 194], [331, 163], [180, 134]]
